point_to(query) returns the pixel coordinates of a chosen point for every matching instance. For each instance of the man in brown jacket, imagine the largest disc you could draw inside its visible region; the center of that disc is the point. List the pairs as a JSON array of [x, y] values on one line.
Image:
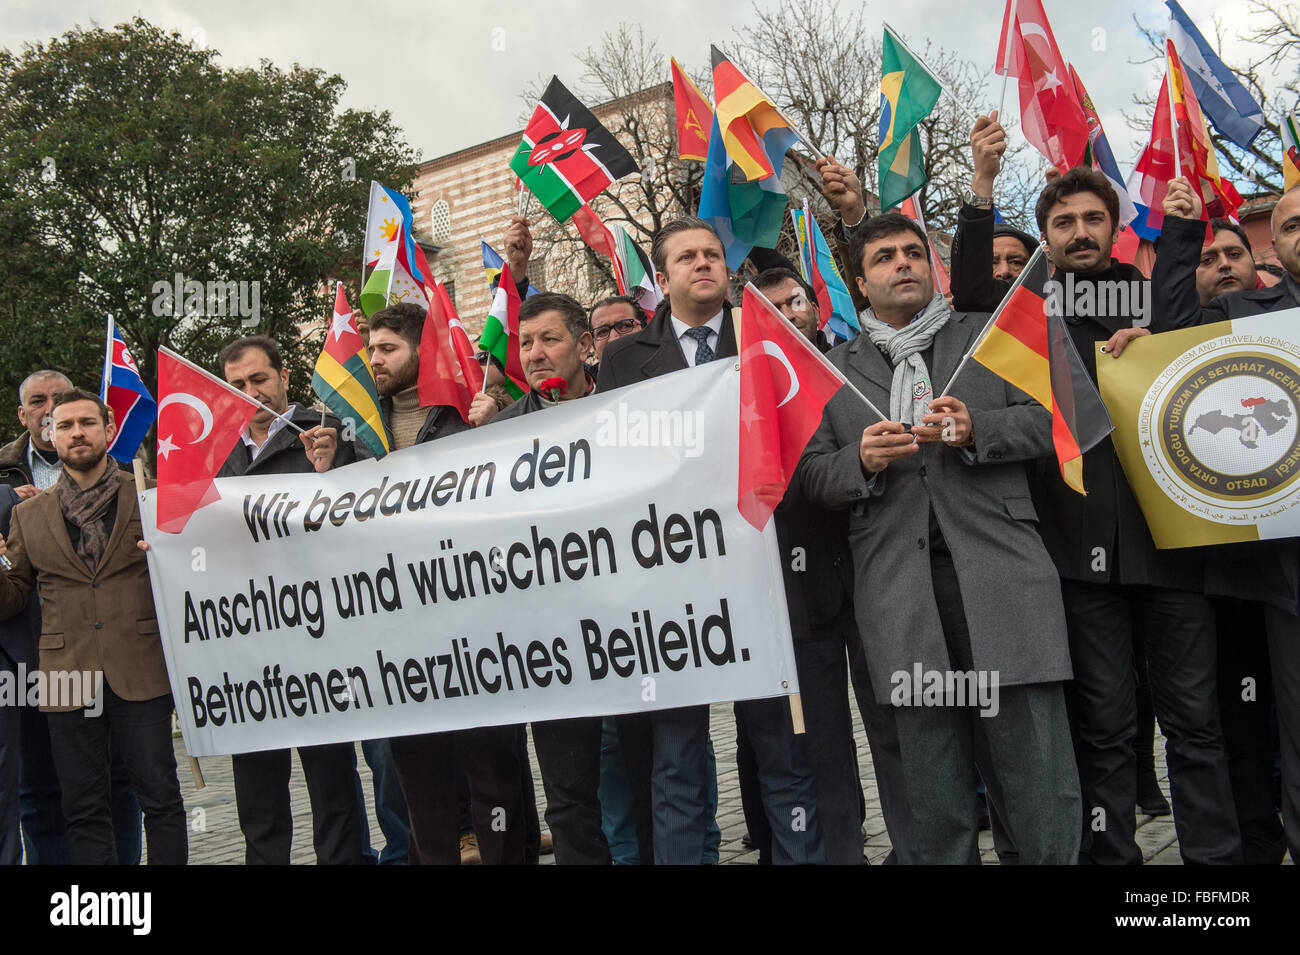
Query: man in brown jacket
[[101, 659]]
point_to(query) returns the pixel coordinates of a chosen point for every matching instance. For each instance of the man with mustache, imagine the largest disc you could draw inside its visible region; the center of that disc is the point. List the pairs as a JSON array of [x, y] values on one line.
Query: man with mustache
[[1117, 587]]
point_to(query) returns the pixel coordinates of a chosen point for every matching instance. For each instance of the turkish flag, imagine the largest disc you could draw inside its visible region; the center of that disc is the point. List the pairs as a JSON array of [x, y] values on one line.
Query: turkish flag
[[200, 418], [1051, 115], [449, 374], [785, 384]]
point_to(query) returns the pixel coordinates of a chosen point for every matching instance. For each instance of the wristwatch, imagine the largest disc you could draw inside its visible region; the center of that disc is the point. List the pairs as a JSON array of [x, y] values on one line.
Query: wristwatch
[[979, 202]]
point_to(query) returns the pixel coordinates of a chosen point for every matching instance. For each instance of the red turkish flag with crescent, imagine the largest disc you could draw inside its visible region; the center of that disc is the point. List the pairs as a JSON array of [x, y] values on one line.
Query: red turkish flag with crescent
[[785, 383], [200, 418], [449, 373]]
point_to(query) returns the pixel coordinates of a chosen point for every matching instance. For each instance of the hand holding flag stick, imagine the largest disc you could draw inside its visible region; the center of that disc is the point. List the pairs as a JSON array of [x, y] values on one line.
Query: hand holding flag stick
[[951, 95]]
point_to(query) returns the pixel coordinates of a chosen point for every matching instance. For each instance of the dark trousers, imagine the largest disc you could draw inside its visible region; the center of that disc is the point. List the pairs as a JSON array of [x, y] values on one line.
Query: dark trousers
[[1284, 658], [390, 807], [143, 734], [40, 798], [266, 818], [667, 760], [11, 843], [426, 767], [568, 754], [1025, 748], [1245, 687], [1178, 634], [788, 790]]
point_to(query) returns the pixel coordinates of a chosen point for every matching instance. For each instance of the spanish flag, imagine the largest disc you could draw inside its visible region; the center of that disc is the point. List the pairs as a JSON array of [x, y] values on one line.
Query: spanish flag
[[343, 379], [1026, 343], [753, 130]]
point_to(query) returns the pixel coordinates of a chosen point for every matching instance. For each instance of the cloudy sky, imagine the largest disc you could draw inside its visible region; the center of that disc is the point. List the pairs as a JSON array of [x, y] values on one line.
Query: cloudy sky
[[439, 67]]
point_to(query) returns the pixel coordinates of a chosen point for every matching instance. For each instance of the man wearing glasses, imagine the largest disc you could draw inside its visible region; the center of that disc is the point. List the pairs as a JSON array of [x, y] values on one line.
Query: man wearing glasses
[[611, 319]]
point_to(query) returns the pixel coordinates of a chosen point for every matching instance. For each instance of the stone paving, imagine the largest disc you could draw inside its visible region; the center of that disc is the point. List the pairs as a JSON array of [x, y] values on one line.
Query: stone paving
[[215, 837]]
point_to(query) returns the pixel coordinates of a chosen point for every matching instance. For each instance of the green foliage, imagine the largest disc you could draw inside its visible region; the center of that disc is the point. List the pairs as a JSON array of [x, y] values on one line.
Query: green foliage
[[129, 155]]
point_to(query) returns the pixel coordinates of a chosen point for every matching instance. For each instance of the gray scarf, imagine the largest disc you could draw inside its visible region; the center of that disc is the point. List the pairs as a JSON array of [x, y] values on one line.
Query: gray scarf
[[912, 390]]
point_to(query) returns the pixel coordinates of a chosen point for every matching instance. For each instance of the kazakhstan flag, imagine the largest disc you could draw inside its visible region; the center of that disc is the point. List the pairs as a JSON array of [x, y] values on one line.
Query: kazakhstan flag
[[907, 94]]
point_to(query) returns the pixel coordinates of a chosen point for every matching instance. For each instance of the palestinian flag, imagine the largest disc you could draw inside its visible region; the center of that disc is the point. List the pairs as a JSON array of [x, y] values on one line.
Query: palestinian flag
[[638, 272], [500, 337], [907, 94], [567, 157], [344, 381], [1026, 344]]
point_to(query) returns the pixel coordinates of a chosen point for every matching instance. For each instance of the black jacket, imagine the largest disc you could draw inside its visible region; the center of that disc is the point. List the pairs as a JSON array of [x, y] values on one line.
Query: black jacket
[[655, 351], [20, 633], [1101, 537], [283, 452], [1173, 280], [1074, 526]]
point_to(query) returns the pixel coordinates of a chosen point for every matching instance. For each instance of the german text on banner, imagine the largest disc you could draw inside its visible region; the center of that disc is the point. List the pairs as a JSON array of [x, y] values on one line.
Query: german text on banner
[[585, 559], [1206, 428]]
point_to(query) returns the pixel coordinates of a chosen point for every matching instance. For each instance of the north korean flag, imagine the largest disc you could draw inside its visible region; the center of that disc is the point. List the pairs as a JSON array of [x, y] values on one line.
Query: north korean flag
[[127, 397]]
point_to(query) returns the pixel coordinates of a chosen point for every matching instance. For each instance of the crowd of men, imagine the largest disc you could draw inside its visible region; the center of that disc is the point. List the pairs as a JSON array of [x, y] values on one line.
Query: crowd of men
[[941, 540]]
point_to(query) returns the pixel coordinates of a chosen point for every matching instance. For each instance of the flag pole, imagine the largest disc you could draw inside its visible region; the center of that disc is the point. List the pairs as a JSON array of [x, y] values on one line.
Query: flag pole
[[1006, 57], [1173, 112], [943, 86], [979, 339], [225, 384], [810, 347]]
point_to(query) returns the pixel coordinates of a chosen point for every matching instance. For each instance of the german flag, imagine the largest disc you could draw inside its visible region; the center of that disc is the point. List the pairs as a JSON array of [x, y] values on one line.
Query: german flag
[[344, 382], [753, 130], [1026, 343]]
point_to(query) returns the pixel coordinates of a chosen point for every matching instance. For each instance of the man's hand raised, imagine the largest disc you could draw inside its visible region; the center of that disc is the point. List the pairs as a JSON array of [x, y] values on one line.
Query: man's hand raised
[[842, 190]]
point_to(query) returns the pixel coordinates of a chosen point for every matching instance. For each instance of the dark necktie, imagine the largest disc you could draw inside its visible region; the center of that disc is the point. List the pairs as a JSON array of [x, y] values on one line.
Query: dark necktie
[[703, 353]]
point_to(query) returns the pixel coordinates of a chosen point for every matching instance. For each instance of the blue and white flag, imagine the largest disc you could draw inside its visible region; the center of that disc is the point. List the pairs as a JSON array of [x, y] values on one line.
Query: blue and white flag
[[134, 409], [1222, 97]]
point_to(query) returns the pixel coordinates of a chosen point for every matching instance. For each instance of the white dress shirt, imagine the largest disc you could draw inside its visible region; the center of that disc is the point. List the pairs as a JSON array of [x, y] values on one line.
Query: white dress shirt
[[714, 325], [277, 424]]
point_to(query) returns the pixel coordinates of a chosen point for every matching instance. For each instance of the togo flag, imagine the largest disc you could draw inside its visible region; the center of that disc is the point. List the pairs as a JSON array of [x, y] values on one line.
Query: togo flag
[[907, 94], [1206, 429], [344, 381], [567, 157]]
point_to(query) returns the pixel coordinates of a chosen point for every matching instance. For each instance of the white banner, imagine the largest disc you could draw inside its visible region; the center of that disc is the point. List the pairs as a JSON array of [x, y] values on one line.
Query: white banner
[[583, 560]]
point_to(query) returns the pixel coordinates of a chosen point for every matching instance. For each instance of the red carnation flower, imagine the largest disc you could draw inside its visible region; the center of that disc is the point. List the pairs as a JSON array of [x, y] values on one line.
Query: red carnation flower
[[553, 388]]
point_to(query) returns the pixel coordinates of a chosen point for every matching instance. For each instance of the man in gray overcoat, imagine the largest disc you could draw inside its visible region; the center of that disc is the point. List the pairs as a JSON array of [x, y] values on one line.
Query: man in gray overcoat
[[957, 601]]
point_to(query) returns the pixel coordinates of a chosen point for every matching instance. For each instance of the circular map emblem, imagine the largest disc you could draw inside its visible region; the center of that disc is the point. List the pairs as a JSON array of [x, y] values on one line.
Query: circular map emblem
[[1220, 431]]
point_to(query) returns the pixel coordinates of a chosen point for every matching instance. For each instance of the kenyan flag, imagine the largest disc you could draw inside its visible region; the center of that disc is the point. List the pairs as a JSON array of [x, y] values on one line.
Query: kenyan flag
[[566, 156]]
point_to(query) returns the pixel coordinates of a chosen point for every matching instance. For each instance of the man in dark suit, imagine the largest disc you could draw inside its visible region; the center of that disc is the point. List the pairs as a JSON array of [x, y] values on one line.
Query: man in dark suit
[[79, 543], [271, 445], [1249, 580], [952, 581], [665, 749]]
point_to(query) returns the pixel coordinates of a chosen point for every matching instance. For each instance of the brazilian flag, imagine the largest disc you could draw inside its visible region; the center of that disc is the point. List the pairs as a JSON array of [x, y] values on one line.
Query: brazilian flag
[[907, 94]]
